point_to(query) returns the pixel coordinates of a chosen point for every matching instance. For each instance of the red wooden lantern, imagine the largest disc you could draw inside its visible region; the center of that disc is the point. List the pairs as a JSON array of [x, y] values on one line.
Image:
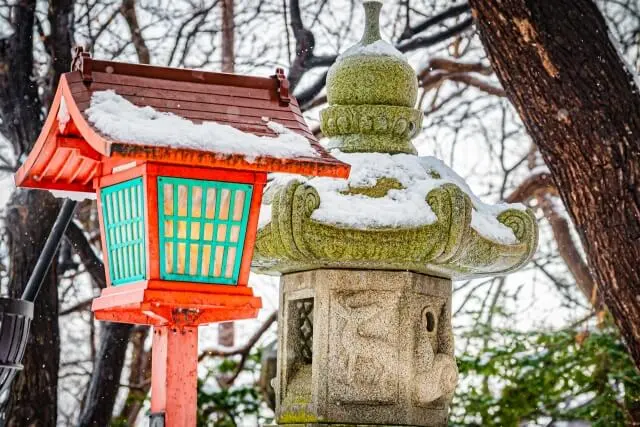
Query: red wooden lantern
[[178, 196]]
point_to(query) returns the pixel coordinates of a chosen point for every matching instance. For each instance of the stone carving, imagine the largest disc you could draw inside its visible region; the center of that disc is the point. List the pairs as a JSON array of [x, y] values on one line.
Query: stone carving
[[450, 247], [439, 380], [436, 373], [383, 349], [304, 309], [356, 125], [367, 346]]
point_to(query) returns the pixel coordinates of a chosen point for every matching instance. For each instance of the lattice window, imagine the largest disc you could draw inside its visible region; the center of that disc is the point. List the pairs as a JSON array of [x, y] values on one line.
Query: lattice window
[[304, 323], [123, 214], [202, 229]]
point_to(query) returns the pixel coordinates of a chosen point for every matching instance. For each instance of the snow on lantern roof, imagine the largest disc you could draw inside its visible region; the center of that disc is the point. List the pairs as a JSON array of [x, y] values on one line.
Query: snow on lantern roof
[[107, 114], [120, 119]]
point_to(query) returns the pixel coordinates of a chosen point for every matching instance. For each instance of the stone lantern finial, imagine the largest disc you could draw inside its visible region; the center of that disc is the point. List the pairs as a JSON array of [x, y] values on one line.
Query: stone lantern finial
[[372, 10], [371, 90]]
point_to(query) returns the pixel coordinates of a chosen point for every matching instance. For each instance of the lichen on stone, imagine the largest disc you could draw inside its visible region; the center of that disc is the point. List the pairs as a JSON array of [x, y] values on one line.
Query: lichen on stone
[[397, 211], [380, 189]]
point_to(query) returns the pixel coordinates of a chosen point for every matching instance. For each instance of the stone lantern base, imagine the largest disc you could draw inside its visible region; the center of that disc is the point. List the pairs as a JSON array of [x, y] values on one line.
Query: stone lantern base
[[364, 347]]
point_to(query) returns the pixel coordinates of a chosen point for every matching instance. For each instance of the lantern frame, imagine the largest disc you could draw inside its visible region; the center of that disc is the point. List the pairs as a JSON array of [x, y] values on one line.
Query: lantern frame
[[72, 154], [152, 300]]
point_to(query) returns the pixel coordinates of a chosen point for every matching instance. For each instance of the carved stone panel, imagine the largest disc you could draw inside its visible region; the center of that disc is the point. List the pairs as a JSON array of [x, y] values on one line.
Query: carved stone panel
[[363, 347]]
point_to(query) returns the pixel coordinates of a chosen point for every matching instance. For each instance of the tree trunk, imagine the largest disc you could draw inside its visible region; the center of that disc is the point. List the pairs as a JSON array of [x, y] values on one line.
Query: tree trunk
[[30, 215], [100, 396], [128, 10], [59, 42], [228, 37], [105, 379], [139, 378], [20, 106], [581, 106], [34, 397], [227, 330]]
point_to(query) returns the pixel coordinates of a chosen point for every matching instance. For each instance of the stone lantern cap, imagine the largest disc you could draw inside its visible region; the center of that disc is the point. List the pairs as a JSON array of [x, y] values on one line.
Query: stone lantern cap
[[397, 210]]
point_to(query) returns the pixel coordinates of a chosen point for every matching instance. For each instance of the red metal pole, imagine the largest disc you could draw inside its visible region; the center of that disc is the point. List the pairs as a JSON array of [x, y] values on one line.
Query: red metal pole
[[174, 379]]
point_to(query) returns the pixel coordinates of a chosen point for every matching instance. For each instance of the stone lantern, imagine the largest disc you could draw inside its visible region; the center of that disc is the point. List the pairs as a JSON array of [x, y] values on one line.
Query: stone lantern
[[367, 264]]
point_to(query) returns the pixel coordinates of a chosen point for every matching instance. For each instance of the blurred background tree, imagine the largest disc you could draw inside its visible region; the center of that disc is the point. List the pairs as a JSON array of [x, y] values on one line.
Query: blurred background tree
[[536, 348]]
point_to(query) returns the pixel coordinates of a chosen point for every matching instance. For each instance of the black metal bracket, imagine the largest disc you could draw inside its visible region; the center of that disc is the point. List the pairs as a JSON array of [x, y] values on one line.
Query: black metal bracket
[[49, 251], [16, 314], [156, 419]]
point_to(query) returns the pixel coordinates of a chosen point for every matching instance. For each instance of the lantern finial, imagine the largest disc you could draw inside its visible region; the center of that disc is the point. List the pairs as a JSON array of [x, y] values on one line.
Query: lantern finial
[[372, 22], [370, 87], [82, 62]]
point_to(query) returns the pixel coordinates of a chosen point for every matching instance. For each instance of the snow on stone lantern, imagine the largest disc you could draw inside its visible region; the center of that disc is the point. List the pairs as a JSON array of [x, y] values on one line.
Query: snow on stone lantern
[[367, 263], [178, 160]]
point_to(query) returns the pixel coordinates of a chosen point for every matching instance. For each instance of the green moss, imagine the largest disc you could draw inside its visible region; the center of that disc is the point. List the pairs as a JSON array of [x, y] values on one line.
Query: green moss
[[297, 418], [447, 248], [371, 101], [381, 188], [371, 128], [357, 143], [372, 79], [360, 79]]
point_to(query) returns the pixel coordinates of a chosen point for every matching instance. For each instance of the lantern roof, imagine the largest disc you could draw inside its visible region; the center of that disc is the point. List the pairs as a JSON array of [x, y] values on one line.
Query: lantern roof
[[109, 114]]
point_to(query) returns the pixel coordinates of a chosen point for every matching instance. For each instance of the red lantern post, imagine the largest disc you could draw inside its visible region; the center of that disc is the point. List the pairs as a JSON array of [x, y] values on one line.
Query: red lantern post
[[178, 195]]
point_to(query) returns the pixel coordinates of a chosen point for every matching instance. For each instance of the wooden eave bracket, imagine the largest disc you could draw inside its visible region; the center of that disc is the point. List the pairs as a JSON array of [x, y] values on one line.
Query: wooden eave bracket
[[283, 86], [82, 62]]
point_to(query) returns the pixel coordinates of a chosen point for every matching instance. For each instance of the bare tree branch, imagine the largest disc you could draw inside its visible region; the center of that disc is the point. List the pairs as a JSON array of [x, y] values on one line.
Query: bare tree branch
[[82, 305], [452, 12], [426, 41], [91, 261], [223, 352], [305, 44], [541, 187], [540, 183], [128, 10], [308, 95]]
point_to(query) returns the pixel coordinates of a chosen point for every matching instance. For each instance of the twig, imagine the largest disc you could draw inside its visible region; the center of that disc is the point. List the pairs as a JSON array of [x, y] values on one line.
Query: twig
[[221, 352]]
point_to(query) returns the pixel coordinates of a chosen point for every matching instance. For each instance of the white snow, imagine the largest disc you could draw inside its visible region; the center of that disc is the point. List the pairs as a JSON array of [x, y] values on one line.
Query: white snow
[[276, 127], [123, 121], [405, 207], [540, 169], [377, 48], [265, 215], [63, 113], [73, 195]]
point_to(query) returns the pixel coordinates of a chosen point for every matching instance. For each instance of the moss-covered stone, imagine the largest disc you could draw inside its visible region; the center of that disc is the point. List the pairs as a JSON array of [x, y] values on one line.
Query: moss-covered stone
[[371, 99], [363, 78], [359, 80], [371, 128], [381, 188], [450, 247], [354, 376]]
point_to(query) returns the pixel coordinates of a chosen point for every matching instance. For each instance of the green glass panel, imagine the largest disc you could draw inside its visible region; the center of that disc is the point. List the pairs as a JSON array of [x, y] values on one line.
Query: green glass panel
[[202, 227], [123, 216]]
